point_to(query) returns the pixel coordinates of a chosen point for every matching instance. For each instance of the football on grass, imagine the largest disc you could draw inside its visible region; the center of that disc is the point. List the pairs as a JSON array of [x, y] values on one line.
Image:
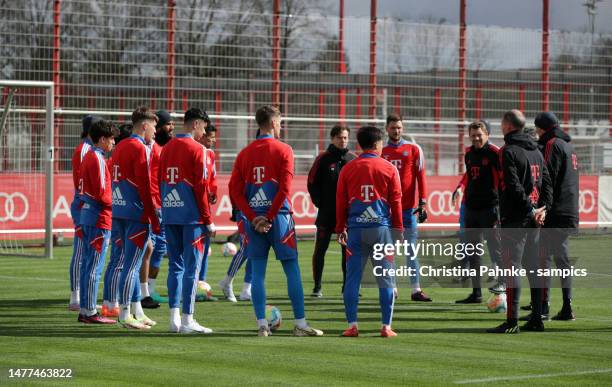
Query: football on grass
[[229, 249], [273, 315]]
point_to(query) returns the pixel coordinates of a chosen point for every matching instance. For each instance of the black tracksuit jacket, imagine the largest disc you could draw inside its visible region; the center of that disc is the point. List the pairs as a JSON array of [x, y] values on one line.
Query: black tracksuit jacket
[[562, 164], [525, 183], [323, 180]]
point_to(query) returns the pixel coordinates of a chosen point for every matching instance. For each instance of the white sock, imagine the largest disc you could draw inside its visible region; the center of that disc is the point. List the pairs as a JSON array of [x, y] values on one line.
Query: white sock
[[124, 312], [246, 287], [416, 287], [114, 304], [353, 324], [144, 289], [386, 326], [300, 323], [74, 296], [175, 314], [262, 323], [137, 310], [106, 303], [151, 282], [186, 319], [228, 280], [83, 311], [91, 312]]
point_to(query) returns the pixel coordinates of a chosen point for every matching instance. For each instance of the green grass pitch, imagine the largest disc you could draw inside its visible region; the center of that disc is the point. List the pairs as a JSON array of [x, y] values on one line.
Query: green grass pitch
[[438, 344]]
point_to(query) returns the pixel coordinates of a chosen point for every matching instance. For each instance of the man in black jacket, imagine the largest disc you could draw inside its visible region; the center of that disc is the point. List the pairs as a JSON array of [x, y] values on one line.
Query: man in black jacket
[[525, 196], [562, 218], [322, 182], [481, 213]]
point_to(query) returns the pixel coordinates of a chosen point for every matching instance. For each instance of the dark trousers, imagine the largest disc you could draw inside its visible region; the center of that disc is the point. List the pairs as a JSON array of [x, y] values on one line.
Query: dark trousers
[[520, 248], [555, 246], [479, 224], [322, 239]]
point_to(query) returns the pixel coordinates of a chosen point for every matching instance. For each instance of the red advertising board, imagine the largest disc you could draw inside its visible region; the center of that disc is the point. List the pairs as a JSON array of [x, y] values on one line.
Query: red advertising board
[[22, 202]]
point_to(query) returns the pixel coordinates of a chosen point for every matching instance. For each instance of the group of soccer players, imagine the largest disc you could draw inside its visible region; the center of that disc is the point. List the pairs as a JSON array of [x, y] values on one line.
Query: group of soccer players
[[154, 195]]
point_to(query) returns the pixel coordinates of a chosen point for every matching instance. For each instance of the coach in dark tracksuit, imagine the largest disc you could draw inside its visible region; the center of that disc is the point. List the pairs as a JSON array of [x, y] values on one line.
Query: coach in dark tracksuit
[[322, 182], [526, 194], [562, 218], [481, 214]]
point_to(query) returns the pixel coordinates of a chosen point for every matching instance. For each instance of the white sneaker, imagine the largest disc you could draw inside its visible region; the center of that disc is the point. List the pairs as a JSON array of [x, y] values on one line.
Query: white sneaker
[[194, 327], [245, 295], [228, 291], [175, 325], [308, 331], [264, 332]]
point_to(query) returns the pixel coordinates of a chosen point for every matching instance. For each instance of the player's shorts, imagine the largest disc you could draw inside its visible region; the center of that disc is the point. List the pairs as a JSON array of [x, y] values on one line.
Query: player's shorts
[[281, 238]]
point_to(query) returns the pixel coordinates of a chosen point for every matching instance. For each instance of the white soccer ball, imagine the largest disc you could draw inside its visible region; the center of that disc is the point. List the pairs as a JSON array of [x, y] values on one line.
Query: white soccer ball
[[497, 303], [229, 249]]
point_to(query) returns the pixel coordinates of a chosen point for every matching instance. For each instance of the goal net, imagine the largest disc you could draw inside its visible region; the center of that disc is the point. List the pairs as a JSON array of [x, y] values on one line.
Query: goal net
[[26, 168]]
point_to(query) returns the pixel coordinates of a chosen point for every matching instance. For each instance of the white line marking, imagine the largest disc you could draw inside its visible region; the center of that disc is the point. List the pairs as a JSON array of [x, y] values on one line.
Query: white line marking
[[31, 278], [536, 376]]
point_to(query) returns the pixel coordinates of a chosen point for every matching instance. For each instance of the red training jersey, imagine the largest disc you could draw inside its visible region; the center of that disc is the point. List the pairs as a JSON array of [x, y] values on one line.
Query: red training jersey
[[409, 160]]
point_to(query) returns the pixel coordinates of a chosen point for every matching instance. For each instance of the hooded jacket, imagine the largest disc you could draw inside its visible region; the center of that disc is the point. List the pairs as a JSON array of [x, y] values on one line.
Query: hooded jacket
[[323, 181], [562, 165], [525, 183]]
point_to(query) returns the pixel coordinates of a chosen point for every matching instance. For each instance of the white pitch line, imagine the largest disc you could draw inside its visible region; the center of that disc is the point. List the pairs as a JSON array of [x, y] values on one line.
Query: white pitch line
[[536, 376], [31, 278]]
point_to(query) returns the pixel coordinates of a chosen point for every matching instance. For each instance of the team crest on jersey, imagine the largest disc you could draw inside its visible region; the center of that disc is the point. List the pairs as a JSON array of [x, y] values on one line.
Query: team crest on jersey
[[118, 198], [260, 199], [405, 153], [173, 200], [485, 161], [368, 216]]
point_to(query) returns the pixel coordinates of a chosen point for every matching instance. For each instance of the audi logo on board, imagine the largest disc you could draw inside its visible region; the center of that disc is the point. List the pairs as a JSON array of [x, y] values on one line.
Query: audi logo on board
[[14, 207]]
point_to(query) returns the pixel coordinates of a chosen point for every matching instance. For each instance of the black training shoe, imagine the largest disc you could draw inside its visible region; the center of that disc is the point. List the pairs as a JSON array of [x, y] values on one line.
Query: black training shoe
[[544, 316], [471, 299], [565, 315], [526, 307], [506, 327], [149, 303], [534, 325]]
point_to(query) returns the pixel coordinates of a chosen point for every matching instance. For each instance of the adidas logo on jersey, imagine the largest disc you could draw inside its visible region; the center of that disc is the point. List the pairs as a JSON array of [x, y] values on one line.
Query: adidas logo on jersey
[[260, 199], [173, 199], [368, 216], [118, 198]]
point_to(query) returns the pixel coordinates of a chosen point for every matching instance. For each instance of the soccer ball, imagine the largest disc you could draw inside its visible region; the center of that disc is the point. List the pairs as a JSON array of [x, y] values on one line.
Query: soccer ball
[[273, 315], [229, 249], [497, 303]]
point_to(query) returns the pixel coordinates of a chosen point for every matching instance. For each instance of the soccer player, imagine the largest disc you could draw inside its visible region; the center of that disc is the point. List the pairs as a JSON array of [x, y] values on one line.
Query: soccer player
[[481, 213], [134, 212], [409, 160], [562, 218], [237, 261], [322, 183], [164, 132], [110, 305], [186, 215], [208, 140], [369, 204], [95, 219], [75, 210], [260, 185], [525, 196]]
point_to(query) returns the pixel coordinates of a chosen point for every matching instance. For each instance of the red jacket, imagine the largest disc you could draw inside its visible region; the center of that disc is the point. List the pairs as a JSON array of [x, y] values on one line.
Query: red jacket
[[95, 190]]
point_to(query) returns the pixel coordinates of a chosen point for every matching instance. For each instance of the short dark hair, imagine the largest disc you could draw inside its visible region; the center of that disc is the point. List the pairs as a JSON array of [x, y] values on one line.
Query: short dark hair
[[338, 129], [125, 131], [210, 128], [515, 118], [368, 136], [265, 113], [102, 128], [393, 117], [143, 113], [478, 125]]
